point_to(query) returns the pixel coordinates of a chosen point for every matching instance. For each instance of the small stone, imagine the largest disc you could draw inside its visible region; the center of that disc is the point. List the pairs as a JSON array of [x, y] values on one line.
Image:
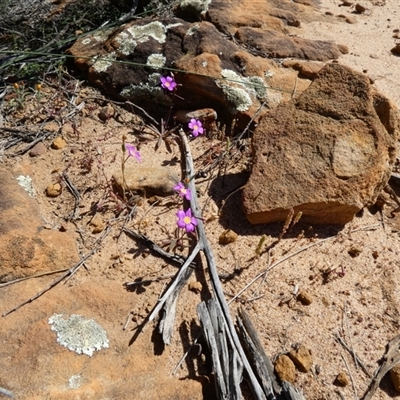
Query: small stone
[[228, 236], [58, 143], [395, 377], [53, 190], [354, 251], [396, 49], [285, 369], [305, 298], [97, 223], [351, 20], [151, 181], [302, 358], [342, 379], [360, 8], [106, 112], [195, 287], [38, 149], [347, 3]]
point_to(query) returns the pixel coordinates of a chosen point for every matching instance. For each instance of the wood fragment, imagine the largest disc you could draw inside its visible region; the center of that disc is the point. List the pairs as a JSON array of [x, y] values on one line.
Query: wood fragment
[[356, 358], [261, 362], [351, 377], [31, 277], [7, 393], [226, 363], [388, 361], [175, 258]]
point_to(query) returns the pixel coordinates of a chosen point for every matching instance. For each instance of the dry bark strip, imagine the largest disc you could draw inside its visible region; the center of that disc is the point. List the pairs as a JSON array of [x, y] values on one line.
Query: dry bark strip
[[389, 360], [226, 364]]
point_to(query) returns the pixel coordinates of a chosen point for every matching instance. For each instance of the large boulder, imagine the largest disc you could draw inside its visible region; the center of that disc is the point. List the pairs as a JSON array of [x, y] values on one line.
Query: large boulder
[[26, 247], [224, 60], [327, 153]]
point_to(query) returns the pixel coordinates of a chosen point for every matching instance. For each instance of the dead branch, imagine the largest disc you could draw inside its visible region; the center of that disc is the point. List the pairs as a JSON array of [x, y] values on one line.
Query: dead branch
[[226, 364], [262, 364], [31, 277], [6, 393], [353, 354], [212, 267], [388, 361]]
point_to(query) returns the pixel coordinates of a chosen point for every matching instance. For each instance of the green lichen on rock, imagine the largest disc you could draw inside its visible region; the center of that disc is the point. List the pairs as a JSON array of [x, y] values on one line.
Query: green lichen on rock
[[101, 64], [156, 60], [196, 8], [238, 98], [239, 90], [254, 85], [129, 39], [79, 334], [149, 90]]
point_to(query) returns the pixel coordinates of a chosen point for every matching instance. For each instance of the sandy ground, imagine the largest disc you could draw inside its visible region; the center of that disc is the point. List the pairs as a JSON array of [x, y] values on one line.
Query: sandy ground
[[370, 39], [351, 272]]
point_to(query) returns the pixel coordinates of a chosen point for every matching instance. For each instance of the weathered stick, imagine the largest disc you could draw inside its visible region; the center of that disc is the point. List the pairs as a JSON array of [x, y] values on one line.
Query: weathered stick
[[389, 360], [212, 267], [226, 364]]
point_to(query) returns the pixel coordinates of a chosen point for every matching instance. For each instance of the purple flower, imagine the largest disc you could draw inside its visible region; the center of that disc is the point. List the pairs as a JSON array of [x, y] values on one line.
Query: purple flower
[[168, 83], [133, 152], [186, 220], [196, 126], [183, 191]]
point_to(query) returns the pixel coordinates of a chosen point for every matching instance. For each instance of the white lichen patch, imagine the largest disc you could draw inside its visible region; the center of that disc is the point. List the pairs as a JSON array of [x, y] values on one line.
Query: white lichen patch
[[129, 39], [86, 41], [201, 6], [27, 184], [126, 44], [237, 97], [269, 74], [254, 85], [101, 64], [173, 25], [79, 334], [142, 33], [74, 382], [156, 60], [147, 90], [154, 79]]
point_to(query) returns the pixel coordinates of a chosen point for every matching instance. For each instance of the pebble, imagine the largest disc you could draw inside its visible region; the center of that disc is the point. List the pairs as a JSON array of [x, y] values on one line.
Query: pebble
[[228, 236], [195, 287], [360, 8], [38, 149], [285, 369], [58, 143], [106, 112], [53, 190], [302, 358], [342, 379], [305, 298], [396, 49], [97, 224]]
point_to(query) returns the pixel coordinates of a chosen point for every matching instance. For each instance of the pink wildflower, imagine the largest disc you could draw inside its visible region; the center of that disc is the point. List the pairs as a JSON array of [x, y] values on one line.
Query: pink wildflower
[[183, 191], [133, 152], [186, 220], [196, 126], [168, 83]]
